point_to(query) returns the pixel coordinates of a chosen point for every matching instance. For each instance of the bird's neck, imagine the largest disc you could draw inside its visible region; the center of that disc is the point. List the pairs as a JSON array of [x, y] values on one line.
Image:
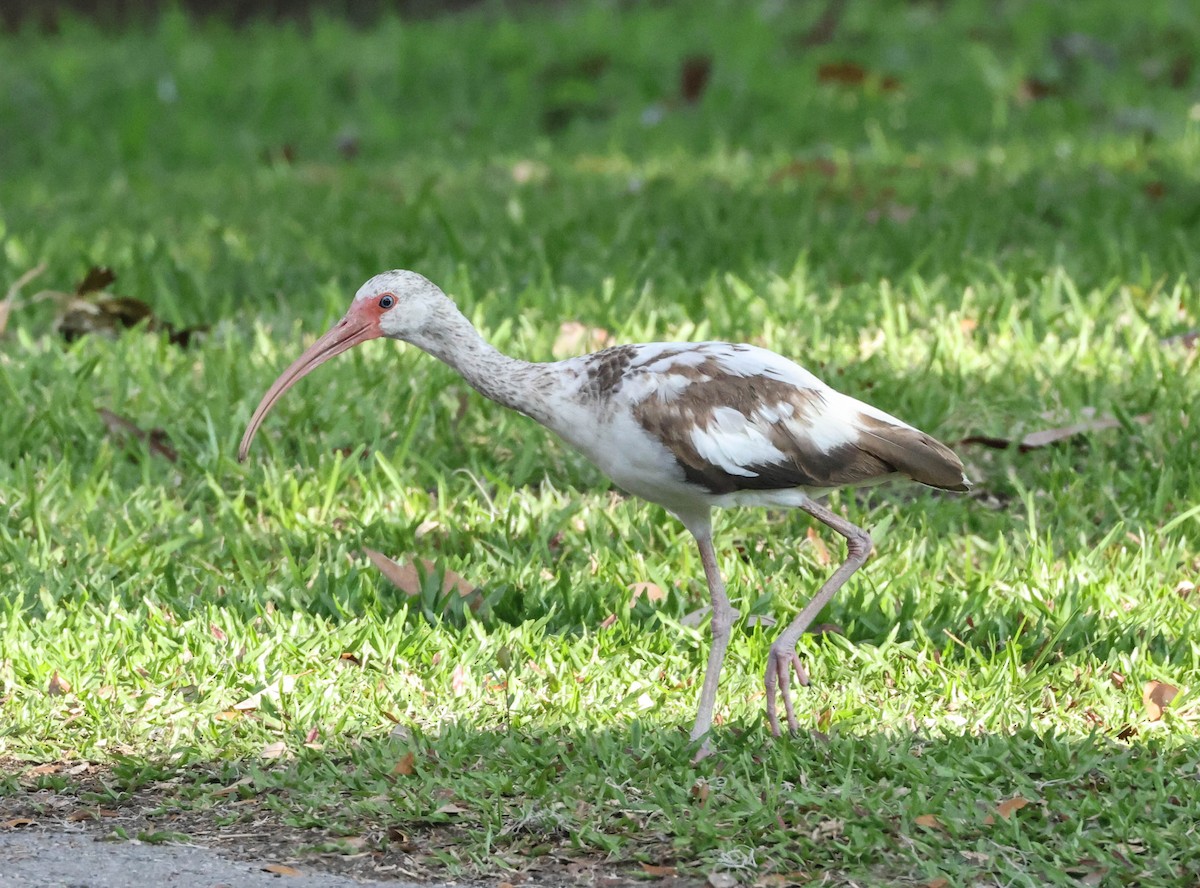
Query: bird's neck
[[513, 383]]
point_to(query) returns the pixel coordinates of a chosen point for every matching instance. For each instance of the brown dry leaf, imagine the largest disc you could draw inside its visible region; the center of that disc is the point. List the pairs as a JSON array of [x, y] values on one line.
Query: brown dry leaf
[[1008, 807], [575, 338], [406, 766], [1154, 190], [1032, 89], [450, 809], [1156, 696], [311, 737], [844, 73], [693, 77], [122, 429], [658, 871], [939, 882], [1034, 440], [929, 821], [1117, 679], [58, 685], [822, 551], [407, 578], [17, 823], [281, 869], [608, 621], [228, 715], [273, 750], [96, 280], [652, 591], [232, 788], [700, 791]]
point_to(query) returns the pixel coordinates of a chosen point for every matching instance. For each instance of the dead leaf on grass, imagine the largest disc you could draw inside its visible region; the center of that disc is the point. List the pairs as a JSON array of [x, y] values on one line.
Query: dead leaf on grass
[[1045, 437], [929, 821], [17, 823], [123, 429], [819, 547], [1007, 808], [232, 788], [458, 680], [273, 750], [408, 579], [652, 591], [1156, 697], [451, 809], [1117, 679], [804, 169], [406, 766], [58, 686]]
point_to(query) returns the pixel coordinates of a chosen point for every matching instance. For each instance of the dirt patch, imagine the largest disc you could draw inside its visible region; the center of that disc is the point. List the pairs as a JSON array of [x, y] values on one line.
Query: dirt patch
[[79, 798]]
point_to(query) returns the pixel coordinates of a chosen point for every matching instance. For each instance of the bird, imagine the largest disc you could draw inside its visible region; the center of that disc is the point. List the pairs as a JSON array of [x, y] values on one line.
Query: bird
[[691, 426]]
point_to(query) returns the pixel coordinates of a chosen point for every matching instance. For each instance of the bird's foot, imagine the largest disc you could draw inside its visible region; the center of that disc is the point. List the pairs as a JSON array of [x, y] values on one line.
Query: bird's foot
[[780, 663]]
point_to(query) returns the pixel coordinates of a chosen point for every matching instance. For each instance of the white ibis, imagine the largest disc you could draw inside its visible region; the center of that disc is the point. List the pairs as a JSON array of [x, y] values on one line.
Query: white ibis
[[686, 425]]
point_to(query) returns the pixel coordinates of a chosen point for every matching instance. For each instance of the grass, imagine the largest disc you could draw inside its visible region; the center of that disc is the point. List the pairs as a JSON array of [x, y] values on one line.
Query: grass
[[955, 250]]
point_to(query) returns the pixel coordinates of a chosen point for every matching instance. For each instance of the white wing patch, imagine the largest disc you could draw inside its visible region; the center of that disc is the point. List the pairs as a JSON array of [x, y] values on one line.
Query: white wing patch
[[732, 442]]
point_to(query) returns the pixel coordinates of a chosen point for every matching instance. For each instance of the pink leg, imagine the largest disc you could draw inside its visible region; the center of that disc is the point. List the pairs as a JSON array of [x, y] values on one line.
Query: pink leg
[[722, 624], [783, 658]]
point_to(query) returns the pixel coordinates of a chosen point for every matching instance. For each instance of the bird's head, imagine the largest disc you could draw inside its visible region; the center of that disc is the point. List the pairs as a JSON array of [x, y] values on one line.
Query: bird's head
[[397, 304]]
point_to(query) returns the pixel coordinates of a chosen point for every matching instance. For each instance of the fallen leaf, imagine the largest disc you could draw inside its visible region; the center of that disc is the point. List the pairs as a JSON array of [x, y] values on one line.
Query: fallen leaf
[[408, 579], [575, 338], [312, 735], [122, 429], [228, 715], [280, 869], [17, 823], [406, 766], [939, 882], [1008, 807], [658, 871], [700, 791], [844, 73], [652, 591], [1117, 679], [1154, 190], [819, 547], [58, 686], [1032, 89], [273, 750], [95, 280], [1034, 440], [450, 808], [693, 77], [232, 788], [1156, 696], [929, 821]]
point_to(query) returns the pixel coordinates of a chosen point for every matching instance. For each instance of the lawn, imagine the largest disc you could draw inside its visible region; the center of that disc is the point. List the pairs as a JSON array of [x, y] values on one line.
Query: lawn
[[980, 216]]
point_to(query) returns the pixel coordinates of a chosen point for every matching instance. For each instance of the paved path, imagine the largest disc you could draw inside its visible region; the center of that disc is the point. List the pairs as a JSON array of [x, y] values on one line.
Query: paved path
[[39, 859]]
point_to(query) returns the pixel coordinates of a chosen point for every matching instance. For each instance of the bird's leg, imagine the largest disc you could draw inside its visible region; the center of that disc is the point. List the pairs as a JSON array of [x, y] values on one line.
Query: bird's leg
[[783, 659], [722, 624]]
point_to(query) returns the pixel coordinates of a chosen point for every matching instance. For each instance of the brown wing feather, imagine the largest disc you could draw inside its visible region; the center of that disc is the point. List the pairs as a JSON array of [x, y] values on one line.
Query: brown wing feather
[[913, 453]]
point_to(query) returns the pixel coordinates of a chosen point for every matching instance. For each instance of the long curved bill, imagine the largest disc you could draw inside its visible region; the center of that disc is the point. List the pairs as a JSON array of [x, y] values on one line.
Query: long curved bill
[[346, 333]]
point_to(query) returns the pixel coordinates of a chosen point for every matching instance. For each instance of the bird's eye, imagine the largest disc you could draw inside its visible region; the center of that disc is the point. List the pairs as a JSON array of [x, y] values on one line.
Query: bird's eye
[[387, 300]]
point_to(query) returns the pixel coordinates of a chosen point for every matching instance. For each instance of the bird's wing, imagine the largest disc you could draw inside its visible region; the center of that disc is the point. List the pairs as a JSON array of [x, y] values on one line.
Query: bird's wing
[[738, 417]]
